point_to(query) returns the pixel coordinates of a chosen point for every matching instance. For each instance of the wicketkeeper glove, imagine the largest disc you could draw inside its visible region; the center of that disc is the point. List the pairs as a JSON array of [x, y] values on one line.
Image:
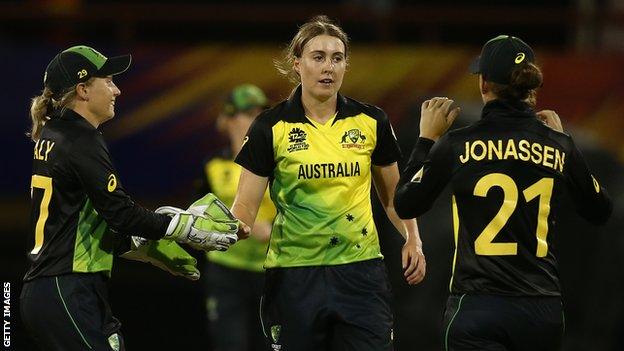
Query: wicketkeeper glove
[[211, 207], [164, 254], [206, 225]]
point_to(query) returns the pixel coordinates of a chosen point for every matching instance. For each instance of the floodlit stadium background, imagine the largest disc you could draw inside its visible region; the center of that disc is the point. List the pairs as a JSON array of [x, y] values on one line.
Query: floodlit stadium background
[[189, 54]]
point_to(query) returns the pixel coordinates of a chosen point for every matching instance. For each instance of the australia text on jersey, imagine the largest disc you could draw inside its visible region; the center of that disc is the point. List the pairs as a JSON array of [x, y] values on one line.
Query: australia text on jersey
[[545, 155], [329, 170]]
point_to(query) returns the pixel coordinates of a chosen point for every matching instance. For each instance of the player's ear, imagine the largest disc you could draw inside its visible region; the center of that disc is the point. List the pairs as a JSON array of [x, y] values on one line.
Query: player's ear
[[484, 87], [82, 92], [296, 63]]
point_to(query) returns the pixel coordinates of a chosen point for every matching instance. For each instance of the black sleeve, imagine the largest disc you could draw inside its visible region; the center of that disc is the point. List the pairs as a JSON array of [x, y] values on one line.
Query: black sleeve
[[121, 244], [591, 200], [90, 160], [428, 170], [256, 154], [387, 149]]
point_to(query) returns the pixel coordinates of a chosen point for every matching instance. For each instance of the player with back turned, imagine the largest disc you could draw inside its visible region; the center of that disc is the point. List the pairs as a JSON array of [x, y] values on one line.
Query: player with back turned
[[508, 173], [82, 216]]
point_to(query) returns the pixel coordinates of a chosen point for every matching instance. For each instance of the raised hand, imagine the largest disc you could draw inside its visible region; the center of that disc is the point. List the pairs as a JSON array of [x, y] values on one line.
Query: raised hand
[[436, 116], [551, 119]]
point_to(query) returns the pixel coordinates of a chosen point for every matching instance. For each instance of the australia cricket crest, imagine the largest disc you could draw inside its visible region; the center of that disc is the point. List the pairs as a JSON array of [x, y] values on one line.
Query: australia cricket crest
[[353, 138]]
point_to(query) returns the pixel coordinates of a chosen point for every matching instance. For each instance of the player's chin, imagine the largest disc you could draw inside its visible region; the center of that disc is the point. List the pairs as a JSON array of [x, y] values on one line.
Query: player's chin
[[107, 117], [325, 91]]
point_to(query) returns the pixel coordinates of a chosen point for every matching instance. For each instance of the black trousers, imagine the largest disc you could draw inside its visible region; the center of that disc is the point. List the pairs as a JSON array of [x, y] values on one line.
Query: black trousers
[[70, 312], [497, 323], [344, 307], [233, 302]]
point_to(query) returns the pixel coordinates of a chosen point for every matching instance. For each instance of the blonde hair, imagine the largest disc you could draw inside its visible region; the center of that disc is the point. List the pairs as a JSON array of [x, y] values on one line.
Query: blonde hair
[[318, 25], [42, 106]]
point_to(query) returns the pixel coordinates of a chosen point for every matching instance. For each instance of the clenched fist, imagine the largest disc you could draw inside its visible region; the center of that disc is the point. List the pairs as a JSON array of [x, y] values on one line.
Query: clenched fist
[[436, 116], [551, 119]]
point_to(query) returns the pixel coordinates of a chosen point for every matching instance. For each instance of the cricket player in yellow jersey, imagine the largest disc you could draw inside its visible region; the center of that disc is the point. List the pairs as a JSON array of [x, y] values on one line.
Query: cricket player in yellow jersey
[[326, 284], [234, 280]]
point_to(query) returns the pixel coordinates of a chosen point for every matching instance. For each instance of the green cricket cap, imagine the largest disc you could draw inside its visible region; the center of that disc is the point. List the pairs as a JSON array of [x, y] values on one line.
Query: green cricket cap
[[78, 64], [244, 98]]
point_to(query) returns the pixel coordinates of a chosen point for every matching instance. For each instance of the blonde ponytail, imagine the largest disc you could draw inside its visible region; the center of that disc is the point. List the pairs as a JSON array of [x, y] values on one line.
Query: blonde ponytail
[[42, 106], [40, 109]]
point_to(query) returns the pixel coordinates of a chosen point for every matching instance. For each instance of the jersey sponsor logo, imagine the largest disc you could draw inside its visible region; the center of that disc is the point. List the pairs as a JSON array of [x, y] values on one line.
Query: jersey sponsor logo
[[245, 140], [43, 148], [297, 140], [328, 170], [112, 183], [545, 155], [353, 138]]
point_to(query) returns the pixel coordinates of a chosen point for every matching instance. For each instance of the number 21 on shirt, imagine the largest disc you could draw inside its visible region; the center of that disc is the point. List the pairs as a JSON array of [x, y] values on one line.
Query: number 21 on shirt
[[542, 189]]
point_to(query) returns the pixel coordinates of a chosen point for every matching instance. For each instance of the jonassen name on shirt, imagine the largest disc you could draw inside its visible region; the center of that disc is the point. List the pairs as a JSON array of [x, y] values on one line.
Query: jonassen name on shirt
[[547, 156]]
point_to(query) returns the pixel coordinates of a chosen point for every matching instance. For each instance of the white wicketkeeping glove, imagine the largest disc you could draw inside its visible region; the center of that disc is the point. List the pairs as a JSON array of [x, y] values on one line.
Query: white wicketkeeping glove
[[199, 231]]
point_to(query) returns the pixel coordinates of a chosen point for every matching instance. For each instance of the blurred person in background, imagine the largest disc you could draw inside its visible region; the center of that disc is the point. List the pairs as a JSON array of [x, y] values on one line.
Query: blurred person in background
[[235, 279], [508, 173], [326, 284], [81, 215]]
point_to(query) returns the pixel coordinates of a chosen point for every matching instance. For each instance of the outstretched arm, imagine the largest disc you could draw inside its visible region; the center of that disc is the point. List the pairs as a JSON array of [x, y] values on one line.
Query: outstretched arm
[[251, 188], [413, 260]]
